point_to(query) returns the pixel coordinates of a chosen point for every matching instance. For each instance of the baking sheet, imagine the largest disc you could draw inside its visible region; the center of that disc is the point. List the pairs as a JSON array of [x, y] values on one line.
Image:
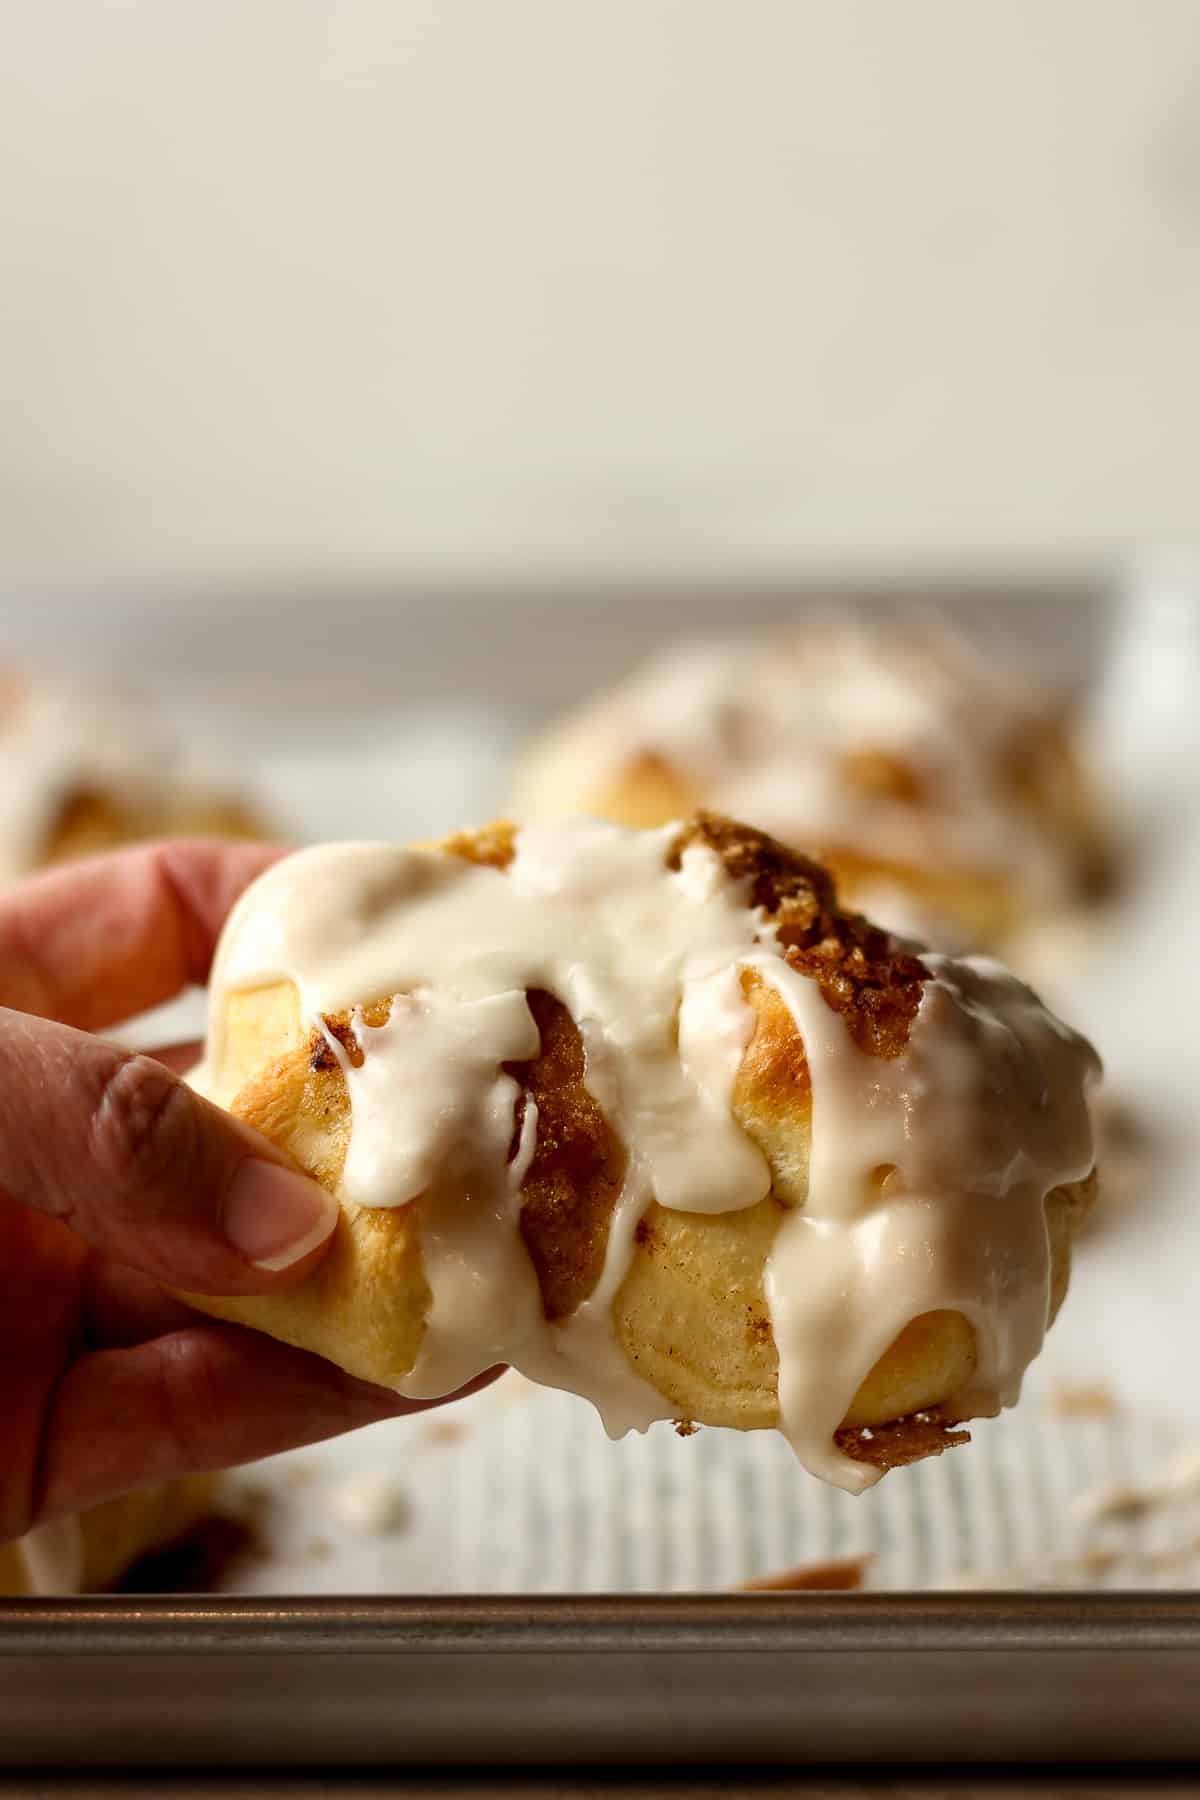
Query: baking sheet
[[519, 1492]]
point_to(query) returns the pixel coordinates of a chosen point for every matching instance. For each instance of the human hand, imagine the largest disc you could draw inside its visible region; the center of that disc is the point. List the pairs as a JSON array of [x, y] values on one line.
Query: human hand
[[117, 1181]]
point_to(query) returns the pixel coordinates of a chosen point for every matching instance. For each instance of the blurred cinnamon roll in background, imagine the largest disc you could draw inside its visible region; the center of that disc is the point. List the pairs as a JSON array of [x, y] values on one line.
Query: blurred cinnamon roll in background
[[85, 768], [937, 781]]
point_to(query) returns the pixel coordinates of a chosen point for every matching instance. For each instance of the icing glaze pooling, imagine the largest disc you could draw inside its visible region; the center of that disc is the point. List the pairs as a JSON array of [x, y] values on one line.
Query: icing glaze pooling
[[982, 1114]]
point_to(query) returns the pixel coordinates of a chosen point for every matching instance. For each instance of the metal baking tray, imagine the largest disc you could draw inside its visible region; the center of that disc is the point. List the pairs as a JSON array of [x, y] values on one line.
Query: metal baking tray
[[804, 1678]]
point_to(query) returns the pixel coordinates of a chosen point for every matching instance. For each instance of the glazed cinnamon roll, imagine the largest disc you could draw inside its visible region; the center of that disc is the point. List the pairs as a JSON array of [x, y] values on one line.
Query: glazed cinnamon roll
[[649, 1116]]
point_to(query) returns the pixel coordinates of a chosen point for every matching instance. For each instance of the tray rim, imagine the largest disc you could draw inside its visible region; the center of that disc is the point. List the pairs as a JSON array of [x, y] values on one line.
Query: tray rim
[[705, 1681], [564, 1624]]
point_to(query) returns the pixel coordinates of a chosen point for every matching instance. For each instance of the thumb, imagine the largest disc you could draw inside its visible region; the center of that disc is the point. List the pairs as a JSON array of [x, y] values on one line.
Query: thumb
[[145, 1170]]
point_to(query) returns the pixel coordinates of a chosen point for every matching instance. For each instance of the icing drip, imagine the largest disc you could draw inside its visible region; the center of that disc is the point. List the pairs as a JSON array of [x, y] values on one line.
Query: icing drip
[[928, 1170], [928, 1174]]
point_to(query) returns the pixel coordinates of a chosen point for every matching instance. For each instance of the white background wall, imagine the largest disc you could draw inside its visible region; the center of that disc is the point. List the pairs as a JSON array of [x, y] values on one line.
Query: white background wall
[[413, 287]]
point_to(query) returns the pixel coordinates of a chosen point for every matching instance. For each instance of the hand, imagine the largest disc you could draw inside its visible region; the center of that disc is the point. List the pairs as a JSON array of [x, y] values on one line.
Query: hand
[[115, 1178]]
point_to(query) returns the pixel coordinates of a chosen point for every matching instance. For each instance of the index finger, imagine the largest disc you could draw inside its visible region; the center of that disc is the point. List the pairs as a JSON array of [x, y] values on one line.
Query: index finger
[[101, 940]]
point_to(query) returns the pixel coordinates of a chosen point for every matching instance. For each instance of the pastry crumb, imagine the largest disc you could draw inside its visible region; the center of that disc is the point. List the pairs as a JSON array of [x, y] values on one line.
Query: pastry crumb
[[1111, 1500], [1094, 1401], [442, 1432], [839, 1575], [372, 1502], [905, 1441]]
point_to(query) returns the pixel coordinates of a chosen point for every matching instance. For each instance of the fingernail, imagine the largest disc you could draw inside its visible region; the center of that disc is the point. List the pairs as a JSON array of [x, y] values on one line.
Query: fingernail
[[274, 1217]]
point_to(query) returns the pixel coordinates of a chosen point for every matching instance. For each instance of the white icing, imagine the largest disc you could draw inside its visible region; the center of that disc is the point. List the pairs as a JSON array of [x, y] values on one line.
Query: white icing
[[759, 728], [977, 1119], [927, 1178]]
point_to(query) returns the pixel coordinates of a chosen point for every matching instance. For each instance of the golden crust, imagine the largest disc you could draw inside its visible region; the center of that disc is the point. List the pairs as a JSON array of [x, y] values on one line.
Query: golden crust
[[116, 1534], [691, 1314], [366, 1305]]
